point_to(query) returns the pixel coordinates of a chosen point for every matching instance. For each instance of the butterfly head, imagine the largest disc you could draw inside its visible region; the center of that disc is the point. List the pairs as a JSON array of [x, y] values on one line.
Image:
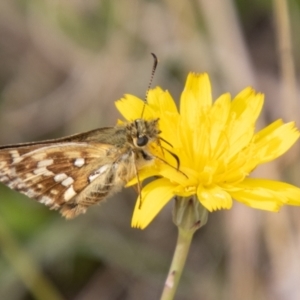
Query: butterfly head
[[142, 132]]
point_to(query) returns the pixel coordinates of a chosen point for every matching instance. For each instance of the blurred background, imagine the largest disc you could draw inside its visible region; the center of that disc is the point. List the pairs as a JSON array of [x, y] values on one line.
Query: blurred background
[[63, 64]]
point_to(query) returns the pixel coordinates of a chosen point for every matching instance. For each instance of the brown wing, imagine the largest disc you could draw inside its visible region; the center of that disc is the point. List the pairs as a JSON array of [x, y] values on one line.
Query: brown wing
[[108, 135], [63, 174]]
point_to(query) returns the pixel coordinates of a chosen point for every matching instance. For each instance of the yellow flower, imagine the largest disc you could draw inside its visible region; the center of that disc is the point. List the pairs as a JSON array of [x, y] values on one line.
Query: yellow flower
[[217, 147]]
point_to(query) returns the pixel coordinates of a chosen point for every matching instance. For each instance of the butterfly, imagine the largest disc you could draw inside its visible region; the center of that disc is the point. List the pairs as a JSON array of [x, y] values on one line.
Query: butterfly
[[72, 173]]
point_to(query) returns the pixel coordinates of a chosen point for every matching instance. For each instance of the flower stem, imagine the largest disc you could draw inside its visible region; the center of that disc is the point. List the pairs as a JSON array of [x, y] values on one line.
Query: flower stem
[[181, 251]]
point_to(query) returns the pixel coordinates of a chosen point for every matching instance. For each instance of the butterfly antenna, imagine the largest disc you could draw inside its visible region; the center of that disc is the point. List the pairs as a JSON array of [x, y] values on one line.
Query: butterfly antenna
[[151, 79]]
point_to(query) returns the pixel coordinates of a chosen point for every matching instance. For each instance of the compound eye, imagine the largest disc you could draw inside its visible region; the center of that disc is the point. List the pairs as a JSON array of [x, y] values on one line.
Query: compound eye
[[142, 141]]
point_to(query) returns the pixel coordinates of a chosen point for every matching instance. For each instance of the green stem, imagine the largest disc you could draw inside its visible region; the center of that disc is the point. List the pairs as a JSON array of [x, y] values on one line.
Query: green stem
[[181, 251]]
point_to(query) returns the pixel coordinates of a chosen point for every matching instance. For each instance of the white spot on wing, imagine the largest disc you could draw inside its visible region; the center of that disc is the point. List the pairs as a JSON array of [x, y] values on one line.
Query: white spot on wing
[[30, 193], [46, 200], [68, 181], [4, 178], [79, 162], [93, 176], [43, 171], [69, 193], [17, 160], [13, 184], [98, 172], [12, 172], [45, 163], [54, 206], [15, 155], [21, 185], [54, 192], [37, 156], [60, 177]]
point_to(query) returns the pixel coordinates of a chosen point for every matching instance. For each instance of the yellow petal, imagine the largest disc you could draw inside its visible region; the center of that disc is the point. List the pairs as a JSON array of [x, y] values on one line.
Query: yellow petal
[[245, 110], [275, 140], [132, 107], [196, 97], [266, 194], [219, 116], [214, 198], [185, 136], [143, 174], [161, 101], [268, 129], [248, 102], [184, 176], [154, 197], [168, 124]]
